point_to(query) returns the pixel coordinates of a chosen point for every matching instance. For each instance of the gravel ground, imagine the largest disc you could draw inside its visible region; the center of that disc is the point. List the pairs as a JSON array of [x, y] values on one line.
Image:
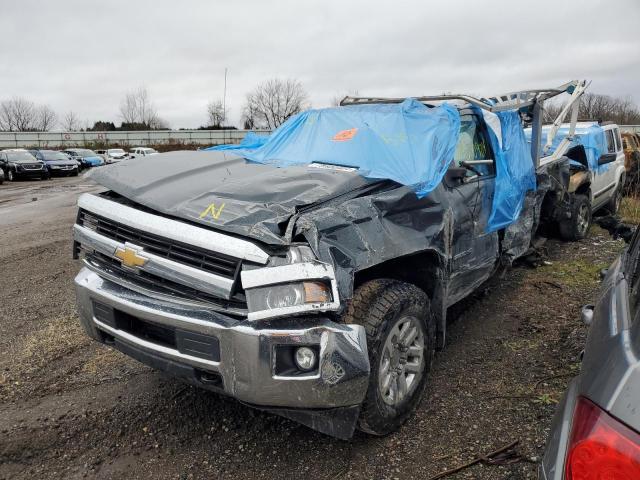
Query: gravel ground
[[71, 408]]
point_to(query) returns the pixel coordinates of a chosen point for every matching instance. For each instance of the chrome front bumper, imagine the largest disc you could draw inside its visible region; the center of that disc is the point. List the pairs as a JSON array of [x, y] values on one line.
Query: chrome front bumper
[[247, 350]]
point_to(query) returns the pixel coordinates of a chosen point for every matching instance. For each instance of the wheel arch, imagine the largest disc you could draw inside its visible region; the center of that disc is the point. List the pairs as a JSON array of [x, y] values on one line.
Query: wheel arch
[[426, 270]]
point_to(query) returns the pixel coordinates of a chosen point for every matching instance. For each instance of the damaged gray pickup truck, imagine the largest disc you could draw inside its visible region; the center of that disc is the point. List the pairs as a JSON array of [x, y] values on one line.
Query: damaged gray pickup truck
[[312, 291]]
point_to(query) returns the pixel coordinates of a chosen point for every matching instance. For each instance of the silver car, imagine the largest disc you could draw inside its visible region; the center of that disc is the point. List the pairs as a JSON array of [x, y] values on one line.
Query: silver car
[[596, 429]]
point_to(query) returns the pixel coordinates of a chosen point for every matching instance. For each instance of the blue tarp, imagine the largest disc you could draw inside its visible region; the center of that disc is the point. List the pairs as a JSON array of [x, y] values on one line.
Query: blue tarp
[[251, 140], [409, 142], [591, 137], [515, 173]]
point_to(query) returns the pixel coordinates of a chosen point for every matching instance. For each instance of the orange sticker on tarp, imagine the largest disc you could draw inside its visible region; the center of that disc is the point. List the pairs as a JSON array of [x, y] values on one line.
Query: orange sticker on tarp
[[344, 135]]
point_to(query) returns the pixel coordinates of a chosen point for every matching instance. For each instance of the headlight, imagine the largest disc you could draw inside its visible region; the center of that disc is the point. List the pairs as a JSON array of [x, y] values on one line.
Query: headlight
[[286, 295], [291, 283]]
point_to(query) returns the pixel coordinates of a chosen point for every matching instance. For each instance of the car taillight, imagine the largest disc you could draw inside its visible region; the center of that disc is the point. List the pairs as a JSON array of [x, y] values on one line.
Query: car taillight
[[601, 447]]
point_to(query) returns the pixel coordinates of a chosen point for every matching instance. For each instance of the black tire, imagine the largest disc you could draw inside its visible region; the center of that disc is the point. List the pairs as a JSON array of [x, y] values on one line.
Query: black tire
[[10, 176], [616, 200], [577, 227], [380, 306], [74, 173]]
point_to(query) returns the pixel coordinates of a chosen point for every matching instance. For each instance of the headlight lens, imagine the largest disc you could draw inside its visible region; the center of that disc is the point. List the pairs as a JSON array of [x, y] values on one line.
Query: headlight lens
[[280, 296], [291, 294], [285, 295]]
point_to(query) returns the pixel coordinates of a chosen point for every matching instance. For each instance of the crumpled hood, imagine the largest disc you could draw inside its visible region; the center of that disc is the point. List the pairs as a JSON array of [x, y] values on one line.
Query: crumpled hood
[[224, 191]]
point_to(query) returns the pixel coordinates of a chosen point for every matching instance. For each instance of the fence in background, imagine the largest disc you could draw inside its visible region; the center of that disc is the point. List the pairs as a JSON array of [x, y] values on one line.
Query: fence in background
[[130, 138], [138, 138]]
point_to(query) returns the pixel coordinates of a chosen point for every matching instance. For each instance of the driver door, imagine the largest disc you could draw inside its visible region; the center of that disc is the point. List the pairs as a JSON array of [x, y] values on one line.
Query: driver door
[[474, 251]]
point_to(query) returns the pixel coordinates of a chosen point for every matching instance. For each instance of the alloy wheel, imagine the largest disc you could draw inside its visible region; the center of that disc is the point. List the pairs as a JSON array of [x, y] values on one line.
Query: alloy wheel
[[402, 362]]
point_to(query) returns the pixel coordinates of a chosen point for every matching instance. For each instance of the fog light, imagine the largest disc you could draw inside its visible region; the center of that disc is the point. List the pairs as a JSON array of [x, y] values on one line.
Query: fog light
[[305, 358]]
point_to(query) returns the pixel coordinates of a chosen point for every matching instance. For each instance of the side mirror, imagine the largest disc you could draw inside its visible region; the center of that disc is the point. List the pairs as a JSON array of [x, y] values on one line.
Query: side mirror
[[607, 158]]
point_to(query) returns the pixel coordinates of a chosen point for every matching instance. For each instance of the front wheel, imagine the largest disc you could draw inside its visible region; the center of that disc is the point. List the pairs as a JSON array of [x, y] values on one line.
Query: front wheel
[[10, 176], [577, 226], [401, 344]]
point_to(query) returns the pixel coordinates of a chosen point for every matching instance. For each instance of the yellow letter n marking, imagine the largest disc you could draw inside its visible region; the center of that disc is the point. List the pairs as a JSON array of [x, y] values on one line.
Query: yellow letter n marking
[[211, 209]]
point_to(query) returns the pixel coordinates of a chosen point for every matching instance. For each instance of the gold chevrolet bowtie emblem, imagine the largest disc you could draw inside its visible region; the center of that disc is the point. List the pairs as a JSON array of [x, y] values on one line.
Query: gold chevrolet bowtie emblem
[[130, 257]]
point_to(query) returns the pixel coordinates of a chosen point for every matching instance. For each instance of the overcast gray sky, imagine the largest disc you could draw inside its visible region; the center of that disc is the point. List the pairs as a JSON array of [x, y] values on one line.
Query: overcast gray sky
[[85, 55]]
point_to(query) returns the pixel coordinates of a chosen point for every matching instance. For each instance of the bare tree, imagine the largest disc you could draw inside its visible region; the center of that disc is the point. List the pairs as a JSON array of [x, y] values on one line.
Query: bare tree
[[46, 118], [70, 122], [137, 108], [597, 107], [551, 111], [620, 110], [249, 117], [272, 102], [216, 114], [6, 116], [18, 115]]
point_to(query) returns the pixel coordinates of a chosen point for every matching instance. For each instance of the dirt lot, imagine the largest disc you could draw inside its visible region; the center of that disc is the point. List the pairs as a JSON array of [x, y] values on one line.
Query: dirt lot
[[70, 408]]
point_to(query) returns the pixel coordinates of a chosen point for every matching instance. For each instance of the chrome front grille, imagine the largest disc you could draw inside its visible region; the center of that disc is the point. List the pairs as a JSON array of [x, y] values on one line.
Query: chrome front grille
[[163, 257], [155, 285], [204, 260]]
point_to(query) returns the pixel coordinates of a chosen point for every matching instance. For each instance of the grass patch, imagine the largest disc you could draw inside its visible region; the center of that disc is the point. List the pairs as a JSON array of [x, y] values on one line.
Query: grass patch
[[104, 360], [38, 353], [58, 338], [578, 273], [520, 344], [630, 210]]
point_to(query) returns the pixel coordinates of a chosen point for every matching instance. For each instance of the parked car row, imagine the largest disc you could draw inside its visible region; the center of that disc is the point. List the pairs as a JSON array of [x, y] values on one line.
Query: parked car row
[[19, 163]]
